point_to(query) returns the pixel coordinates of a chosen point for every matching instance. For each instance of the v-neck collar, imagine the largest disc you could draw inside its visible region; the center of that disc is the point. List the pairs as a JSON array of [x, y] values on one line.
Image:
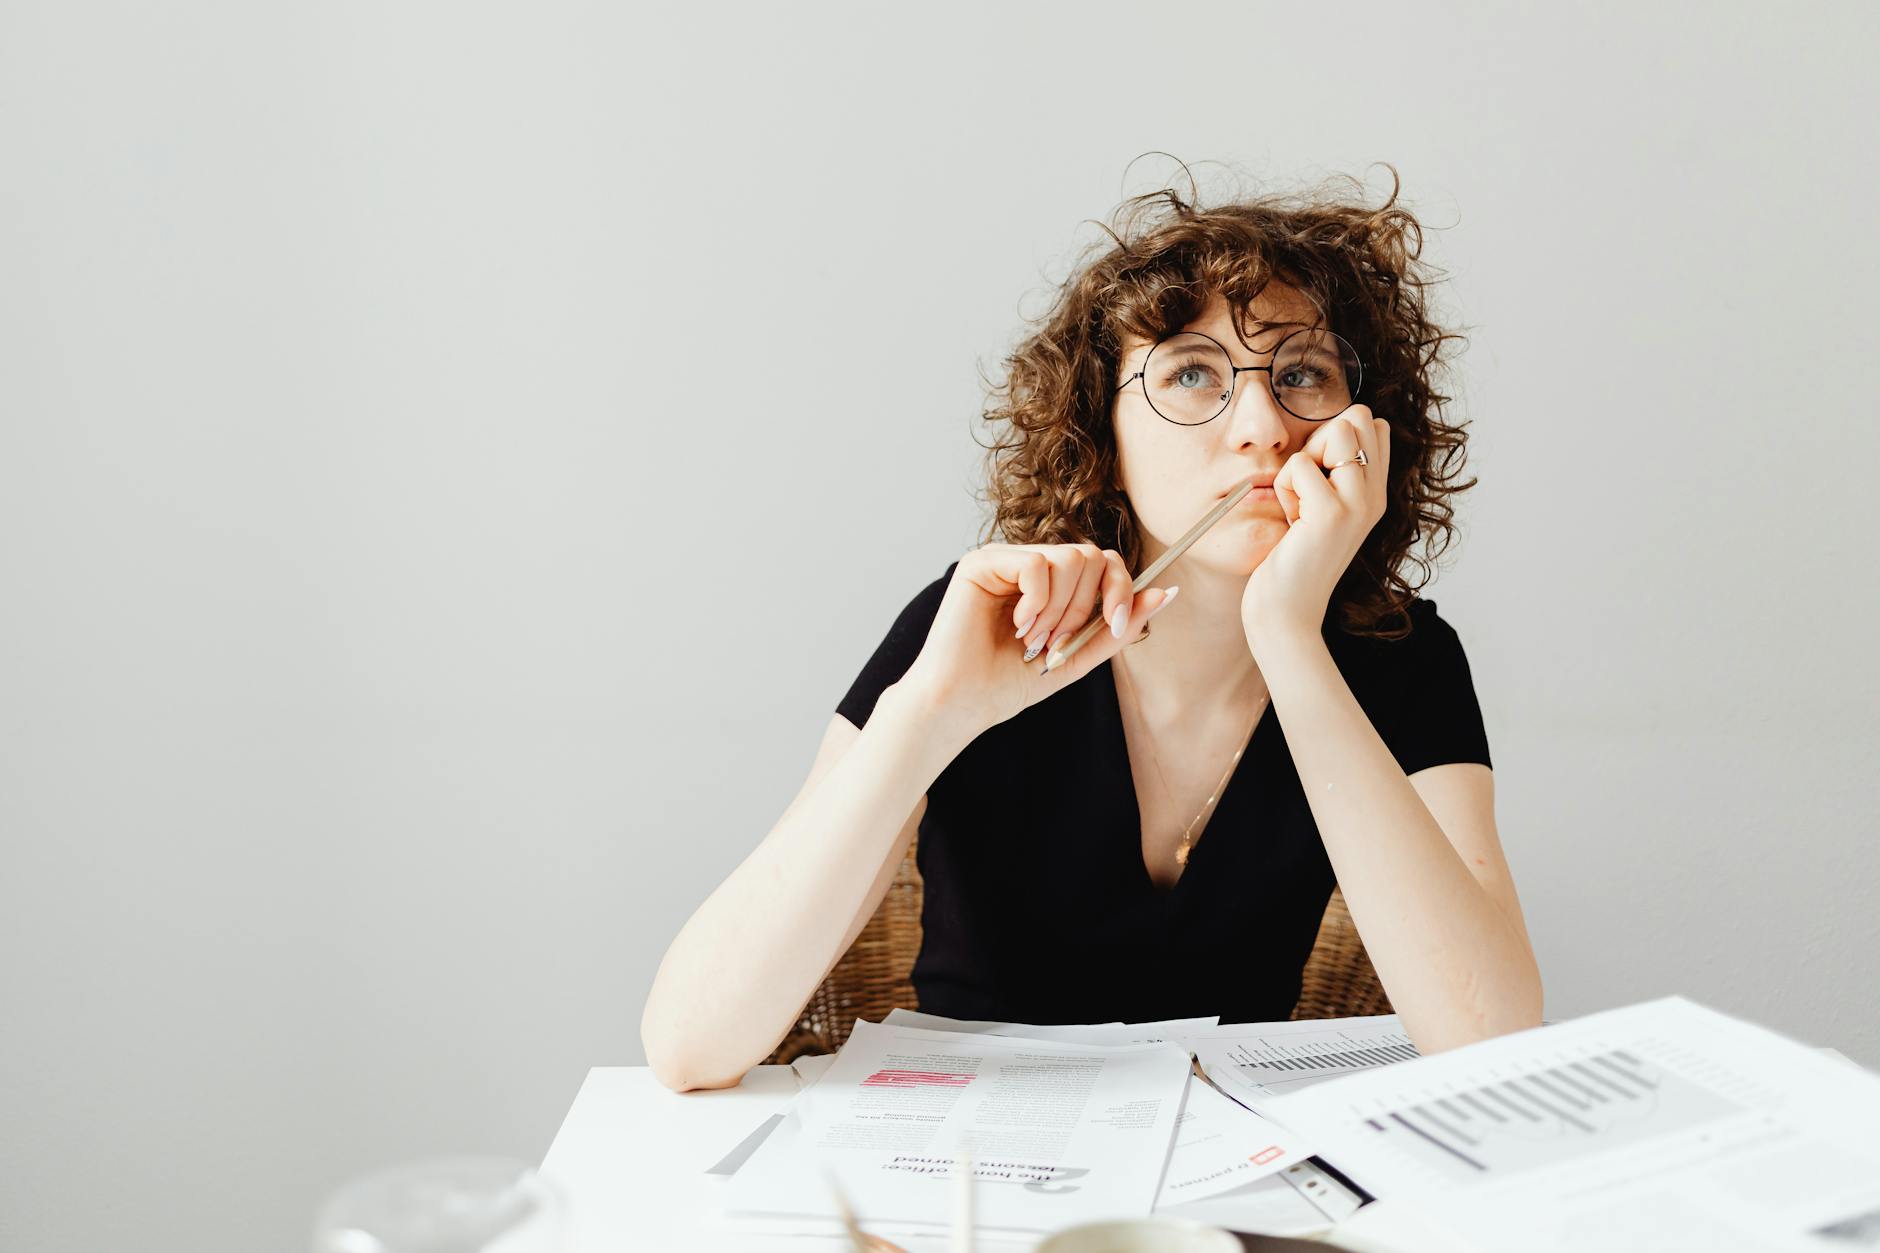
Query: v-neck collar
[[1111, 709]]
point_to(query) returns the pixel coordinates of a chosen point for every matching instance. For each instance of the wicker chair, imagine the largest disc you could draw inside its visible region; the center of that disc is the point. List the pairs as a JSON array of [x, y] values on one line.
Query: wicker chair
[[875, 974]]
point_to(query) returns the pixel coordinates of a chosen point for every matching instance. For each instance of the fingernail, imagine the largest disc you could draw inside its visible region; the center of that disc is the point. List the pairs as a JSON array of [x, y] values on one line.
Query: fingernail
[[1020, 633], [1164, 605], [1118, 620], [1037, 646]]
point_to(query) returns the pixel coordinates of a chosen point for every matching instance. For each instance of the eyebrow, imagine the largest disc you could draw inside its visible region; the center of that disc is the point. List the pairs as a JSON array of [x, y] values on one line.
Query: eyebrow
[[1262, 325]]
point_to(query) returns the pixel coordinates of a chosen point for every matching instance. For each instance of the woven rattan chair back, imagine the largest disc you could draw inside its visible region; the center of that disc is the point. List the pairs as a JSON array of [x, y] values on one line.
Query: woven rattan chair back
[[874, 976]]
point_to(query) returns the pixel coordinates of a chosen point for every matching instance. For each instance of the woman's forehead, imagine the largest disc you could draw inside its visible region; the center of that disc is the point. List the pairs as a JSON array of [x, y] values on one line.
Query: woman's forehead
[[1277, 308]]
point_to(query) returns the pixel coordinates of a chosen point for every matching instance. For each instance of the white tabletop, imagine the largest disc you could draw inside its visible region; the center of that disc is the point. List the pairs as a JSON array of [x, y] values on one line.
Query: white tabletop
[[632, 1157]]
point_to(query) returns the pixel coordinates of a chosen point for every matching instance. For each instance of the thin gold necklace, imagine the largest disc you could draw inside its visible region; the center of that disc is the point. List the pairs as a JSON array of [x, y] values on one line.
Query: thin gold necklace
[[1187, 845]]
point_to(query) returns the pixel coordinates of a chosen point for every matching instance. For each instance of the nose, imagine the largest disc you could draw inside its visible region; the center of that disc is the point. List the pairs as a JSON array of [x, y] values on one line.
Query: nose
[[1254, 417]]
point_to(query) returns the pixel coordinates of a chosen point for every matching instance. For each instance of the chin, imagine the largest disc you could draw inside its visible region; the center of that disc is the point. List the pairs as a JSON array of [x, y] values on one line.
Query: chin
[[1242, 557]]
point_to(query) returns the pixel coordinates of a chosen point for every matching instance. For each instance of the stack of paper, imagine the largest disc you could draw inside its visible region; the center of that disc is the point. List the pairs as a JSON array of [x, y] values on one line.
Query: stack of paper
[[1066, 1124], [1660, 1126], [1657, 1127], [1255, 1062]]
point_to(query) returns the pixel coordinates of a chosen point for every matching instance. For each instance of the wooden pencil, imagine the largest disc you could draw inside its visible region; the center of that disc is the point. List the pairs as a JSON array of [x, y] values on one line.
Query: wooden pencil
[[1058, 656]]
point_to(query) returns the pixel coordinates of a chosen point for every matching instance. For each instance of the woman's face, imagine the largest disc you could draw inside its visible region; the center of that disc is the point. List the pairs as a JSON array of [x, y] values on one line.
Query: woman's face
[[1173, 474]]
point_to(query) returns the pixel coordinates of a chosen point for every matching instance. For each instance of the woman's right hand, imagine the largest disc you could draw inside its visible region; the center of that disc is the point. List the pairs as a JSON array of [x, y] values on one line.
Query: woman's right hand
[[1004, 597]]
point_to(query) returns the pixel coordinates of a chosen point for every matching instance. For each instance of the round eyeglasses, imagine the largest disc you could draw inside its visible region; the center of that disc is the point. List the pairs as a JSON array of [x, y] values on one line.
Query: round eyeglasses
[[1189, 378]]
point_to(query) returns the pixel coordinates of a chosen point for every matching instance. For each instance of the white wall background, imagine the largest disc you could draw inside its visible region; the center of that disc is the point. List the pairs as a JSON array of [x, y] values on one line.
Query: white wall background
[[401, 635]]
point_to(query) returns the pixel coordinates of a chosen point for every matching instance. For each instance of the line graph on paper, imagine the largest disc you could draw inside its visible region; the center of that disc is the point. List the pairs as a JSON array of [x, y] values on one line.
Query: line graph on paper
[[1255, 1062]]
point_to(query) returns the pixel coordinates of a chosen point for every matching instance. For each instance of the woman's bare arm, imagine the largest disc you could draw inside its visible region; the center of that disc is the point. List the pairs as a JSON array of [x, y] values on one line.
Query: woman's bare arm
[[1442, 926], [741, 969], [748, 959]]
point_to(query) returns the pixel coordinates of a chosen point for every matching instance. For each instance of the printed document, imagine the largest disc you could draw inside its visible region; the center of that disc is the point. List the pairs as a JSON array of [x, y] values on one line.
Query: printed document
[[1254, 1062], [1060, 1133], [1659, 1126], [1077, 1033], [1220, 1146]]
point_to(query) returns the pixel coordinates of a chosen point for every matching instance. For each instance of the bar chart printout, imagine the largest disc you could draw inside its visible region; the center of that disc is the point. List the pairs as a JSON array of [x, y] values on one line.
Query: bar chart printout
[[1518, 1118], [1662, 1126], [1255, 1062]]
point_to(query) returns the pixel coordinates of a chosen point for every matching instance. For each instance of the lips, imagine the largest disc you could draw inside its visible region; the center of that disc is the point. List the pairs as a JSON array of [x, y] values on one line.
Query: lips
[[1258, 482]]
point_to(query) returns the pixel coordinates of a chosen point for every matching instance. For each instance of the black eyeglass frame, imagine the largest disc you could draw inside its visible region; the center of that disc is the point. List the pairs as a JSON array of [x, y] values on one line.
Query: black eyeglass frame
[[1235, 371]]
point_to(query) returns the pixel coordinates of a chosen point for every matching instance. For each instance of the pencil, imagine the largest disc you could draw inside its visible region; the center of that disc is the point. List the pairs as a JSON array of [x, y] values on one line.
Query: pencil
[[962, 1235], [857, 1240], [1058, 656]]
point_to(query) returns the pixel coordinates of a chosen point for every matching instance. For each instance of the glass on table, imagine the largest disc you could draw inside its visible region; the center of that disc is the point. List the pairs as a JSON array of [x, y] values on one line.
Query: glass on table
[[444, 1205]]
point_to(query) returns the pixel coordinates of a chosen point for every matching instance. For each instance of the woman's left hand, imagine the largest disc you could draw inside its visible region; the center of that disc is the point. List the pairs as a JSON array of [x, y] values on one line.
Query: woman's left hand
[[1328, 514]]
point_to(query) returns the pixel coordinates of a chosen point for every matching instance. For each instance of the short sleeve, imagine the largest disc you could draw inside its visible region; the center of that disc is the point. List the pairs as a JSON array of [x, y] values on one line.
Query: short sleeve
[[1432, 717], [896, 652]]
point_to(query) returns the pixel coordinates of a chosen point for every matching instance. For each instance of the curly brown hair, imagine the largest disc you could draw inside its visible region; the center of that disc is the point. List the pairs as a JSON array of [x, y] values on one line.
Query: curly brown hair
[[1051, 476]]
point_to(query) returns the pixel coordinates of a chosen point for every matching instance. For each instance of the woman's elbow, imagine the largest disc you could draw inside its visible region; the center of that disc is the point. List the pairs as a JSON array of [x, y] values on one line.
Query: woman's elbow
[[679, 1079], [679, 1066]]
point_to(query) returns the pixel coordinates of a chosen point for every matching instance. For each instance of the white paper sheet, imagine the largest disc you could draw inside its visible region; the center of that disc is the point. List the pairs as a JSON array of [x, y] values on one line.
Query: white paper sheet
[[1082, 1033], [1221, 1146], [783, 1151], [1061, 1133], [1660, 1126], [1298, 1201], [1254, 1062], [810, 1069]]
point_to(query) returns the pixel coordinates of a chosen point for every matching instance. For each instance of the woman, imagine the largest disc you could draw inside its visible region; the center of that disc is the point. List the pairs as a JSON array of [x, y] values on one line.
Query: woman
[[1298, 704]]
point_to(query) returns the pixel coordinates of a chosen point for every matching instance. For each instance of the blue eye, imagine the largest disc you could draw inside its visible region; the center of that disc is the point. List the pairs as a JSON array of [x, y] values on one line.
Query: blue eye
[[1306, 377], [1193, 376]]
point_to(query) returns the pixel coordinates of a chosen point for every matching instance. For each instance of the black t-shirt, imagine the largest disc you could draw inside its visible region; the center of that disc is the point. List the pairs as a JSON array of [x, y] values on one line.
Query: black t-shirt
[[1037, 906]]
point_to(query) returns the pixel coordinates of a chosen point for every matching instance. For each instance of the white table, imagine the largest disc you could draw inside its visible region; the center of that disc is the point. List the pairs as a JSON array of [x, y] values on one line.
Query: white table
[[632, 1156]]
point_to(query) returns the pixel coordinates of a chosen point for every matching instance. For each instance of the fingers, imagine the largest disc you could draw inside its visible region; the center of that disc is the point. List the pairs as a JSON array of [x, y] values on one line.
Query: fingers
[[1058, 586], [1309, 483], [1034, 591], [1364, 430], [1283, 490], [1337, 440], [1084, 599], [1001, 569], [1148, 604], [1118, 593], [1304, 478], [1057, 597], [1337, 443], [1076, 577], [1103, 645]]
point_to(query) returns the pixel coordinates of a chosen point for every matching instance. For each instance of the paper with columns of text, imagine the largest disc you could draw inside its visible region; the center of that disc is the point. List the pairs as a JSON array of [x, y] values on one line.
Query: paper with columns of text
[[1060, 1133], [1253, 1062]]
